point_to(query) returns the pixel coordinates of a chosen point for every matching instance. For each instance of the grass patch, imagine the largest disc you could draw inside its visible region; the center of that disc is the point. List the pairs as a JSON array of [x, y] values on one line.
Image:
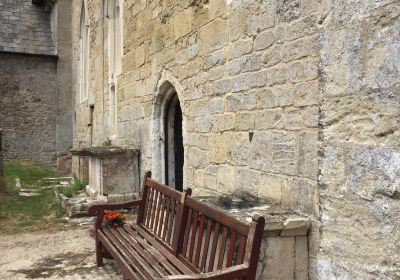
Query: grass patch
[[22, 213], [72, 190]]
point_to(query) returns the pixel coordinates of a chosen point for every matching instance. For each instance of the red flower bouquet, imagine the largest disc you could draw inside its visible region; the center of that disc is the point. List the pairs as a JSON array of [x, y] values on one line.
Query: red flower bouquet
[[114, 219]]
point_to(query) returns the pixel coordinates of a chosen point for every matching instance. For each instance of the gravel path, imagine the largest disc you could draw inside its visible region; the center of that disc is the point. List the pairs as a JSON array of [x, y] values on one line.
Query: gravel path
[[67, 254]]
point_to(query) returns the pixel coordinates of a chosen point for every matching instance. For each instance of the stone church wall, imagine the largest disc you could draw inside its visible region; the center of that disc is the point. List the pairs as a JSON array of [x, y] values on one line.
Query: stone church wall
[[360, 149], [28, 107], [36, 103], [295, 102], [249, 96]]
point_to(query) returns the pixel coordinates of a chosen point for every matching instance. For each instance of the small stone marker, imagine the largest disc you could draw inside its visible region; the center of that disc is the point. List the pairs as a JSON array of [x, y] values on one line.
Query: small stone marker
[[26, 192], [18, 183]]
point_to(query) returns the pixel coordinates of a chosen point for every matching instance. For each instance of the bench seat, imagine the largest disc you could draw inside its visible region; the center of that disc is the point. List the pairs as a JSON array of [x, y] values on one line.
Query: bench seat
[[139, 249], [178, 237]]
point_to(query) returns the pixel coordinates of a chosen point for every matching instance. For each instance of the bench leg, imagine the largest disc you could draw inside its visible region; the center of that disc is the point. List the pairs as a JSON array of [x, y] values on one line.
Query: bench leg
[[99, 254]]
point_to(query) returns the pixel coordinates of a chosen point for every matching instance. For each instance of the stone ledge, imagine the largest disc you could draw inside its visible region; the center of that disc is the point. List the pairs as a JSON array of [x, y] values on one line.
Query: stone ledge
[[101, 152], [278, 222]]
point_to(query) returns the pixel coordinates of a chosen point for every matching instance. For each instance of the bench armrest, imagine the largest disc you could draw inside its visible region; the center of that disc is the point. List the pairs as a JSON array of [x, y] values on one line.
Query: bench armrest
[[234, 272], [98, 208]]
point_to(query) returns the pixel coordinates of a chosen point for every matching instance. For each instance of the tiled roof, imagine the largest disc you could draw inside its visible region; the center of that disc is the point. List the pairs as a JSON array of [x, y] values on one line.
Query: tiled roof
[[25, 28]]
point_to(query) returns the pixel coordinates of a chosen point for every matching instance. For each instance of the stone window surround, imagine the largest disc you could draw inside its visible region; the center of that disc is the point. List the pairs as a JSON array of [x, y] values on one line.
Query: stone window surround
[[114, 14], [84, 39], [167, 87]]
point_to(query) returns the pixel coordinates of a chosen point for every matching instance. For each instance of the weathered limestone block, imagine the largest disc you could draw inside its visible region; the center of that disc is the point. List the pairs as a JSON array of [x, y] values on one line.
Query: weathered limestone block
[[273, 55], [264, 40], [196, 157], [241, 48], [182, 23], [244, 121], [346, 116], [219, 147], [306, 93], [302, 195], [293, 119], [300, 72], [301, 28], [270, 187], [213, 36], [274, 152], [299, 49], [288, 10], [224, 123], [246, 181], [308, 155], [221, 86], [217, 8], [226, 180], [241, 101], [270, 118], [282, 96]]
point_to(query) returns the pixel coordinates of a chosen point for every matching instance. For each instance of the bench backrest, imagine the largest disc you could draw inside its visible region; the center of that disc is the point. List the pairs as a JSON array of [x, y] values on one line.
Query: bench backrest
[[213, 240], [161, 210], [203, 237]]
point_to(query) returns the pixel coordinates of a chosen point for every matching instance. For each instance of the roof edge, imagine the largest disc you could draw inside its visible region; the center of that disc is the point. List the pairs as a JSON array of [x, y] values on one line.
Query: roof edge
[[30, 54]]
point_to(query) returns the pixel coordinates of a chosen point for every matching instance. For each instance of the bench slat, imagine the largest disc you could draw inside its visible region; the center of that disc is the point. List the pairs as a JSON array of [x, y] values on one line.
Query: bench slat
[[114, 252], [149, 258], [159, 204], [150, 207], [206, 245], [175, 262], [166, 221], [171, 222], [134, 259], [231, 249], [145, 195], [242, 244], [153, 251], [199, 241], [222, 247], [162, 222], [193, 235], [154, 208], [214, 247], [187, 231]]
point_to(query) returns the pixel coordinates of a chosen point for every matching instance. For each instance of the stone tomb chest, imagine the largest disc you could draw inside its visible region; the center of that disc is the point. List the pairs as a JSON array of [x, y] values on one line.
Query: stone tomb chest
[[113, 172]]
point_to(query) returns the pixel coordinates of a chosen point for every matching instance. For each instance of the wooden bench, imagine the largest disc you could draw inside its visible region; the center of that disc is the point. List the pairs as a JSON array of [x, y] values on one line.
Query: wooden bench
[[178, 237]]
